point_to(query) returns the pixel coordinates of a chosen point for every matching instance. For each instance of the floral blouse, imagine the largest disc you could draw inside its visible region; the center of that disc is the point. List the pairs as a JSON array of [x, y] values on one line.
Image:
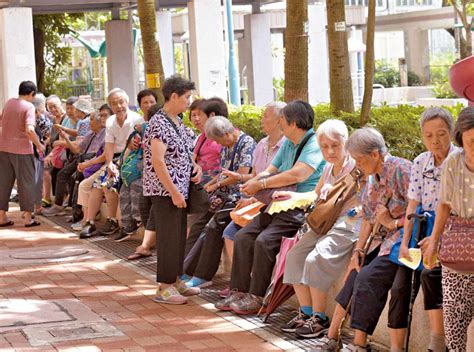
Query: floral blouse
[[177, 156], [390, 189]]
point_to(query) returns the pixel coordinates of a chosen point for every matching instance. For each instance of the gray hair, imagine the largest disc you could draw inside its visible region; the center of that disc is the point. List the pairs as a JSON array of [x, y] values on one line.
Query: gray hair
[[39, 101], [117, 91], [365, 140], [218, 126], [53, 97], [333, 129], [437, 113], [276, 107], [94, 115]]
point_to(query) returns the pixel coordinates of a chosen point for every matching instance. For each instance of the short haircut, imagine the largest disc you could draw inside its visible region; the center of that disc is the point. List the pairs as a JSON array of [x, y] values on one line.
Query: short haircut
[[215, 105], [106, 107], [153, 110], [218, 126], [39, 101], [464, 123], [146, 93], [276, 107], [365, 140], [437, 113], [300, 113], [118, 91], [176, 84], [333, 129], [94, 115], [71, 100], [196, 105], [27, 87]]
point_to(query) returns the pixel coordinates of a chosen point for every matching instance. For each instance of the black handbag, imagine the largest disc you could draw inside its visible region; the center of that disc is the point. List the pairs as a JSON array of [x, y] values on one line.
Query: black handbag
[[198, 201]]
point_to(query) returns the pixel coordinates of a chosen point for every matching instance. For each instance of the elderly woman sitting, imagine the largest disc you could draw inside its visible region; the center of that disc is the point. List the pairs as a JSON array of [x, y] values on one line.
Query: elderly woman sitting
[[384, 203], [456, 210], [436, 128], [318, 259]]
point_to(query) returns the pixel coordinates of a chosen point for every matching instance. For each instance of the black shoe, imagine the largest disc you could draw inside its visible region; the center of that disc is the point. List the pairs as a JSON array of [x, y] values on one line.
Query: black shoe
[[296, 322], [122, 235], [88, 230], [131, 229], [110, 227], [313, 327]]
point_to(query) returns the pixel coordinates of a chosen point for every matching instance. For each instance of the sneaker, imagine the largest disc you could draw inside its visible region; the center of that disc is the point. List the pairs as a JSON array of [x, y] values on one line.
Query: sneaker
[[131, 229], [354, 348], [233, 296], [77, 226], [122, 236], [170, 296], [313, 327], [46, 203], [185, 277], [250, 304], [54, 211], [186, 290], [326, 344], [225, 292], [197, 282], [88, 230], [110, 227], [296, 322]]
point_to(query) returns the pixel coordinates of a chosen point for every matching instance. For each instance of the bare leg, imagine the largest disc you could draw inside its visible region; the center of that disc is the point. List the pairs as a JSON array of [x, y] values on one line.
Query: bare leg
[[112, 203], [304, 295], [436, 321], [397, 339], [339, 314], [318, 298], [94, 203], [229, 247], [149, 241], [360, 338], [47, 185], [3, 217]]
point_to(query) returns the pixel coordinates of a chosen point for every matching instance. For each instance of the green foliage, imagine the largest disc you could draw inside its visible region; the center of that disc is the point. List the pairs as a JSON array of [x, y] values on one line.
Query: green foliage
[[279, 86], [399, 125], [442, 90], [413, 79], [439, 66], [90, 21], [386, 74]]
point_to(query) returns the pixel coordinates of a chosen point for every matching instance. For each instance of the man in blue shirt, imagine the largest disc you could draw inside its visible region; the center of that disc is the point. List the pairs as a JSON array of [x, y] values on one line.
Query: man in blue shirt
[[299, 162]]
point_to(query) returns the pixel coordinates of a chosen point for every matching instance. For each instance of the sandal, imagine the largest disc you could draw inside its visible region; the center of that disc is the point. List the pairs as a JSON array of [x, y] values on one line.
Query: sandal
[[138, 255], [33, 223], [8, 223]]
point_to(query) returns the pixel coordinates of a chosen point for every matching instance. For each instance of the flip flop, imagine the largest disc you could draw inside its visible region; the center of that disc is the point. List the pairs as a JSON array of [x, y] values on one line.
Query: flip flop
[[8, 223], [138, 255], [33, 223]]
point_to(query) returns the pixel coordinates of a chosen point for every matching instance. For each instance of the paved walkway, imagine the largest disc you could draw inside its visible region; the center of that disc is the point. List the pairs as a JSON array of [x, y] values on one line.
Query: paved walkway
[[88, 300]]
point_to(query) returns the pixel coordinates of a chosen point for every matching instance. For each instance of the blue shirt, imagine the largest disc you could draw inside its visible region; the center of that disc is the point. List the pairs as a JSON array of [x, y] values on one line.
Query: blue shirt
[[310, 155]]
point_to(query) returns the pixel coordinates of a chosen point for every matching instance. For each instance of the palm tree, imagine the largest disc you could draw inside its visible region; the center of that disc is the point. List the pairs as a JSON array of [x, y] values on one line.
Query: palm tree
[[151, 48], [369, 65], [296, 50], [340, 82]]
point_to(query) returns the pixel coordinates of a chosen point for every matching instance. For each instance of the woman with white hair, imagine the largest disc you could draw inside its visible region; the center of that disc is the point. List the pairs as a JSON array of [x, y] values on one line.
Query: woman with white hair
[[319, 259]]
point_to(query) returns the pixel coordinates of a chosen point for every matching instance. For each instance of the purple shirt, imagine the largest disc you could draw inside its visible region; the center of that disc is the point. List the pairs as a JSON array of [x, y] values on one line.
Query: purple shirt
[[96, 141], [263, 155]]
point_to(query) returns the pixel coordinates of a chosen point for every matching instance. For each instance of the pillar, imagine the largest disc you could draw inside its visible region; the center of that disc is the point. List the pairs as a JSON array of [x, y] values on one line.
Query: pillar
[[207, 51], [256, 54], [417, 53], [17, 51], [165, 38], [318, 59], [121, 61]]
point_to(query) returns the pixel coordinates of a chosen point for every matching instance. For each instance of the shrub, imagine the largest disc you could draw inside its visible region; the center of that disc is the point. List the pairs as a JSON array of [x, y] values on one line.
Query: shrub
[[442, 90], [386, 74]]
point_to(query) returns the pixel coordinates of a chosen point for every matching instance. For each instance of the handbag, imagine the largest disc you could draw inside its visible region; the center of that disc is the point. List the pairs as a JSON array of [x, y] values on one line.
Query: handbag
[[245, 215], [129, 170], [457, 245], [425, 228], [198, 201], [325, 212], [266, 195], [58, 157]]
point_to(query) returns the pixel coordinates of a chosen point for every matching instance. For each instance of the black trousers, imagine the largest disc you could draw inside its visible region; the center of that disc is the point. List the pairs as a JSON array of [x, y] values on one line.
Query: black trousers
[[432, 288], [195, 232], [64, 182], [256, 247], [54, 175], [371, 288], [146, 212], [170, 227], [204, 258]]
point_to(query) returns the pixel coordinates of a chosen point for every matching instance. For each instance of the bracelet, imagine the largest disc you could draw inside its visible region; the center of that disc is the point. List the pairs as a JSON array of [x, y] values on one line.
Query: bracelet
[[265, 183], [262, 183], [241, 178], [396, 224]]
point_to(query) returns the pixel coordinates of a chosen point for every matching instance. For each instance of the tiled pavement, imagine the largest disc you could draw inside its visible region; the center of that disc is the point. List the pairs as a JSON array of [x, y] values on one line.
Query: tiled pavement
[[112, 293]]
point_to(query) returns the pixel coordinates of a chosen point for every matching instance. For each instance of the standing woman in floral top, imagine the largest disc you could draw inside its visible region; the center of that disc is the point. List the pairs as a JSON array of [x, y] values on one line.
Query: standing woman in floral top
[[166, 178], [456, 211]]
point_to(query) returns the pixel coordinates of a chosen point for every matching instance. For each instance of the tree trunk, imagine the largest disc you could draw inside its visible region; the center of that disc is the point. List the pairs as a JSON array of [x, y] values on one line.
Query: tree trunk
[[296, 50], [369, 65], [461, 9], [154, 75], [40, 64], [340, 82]]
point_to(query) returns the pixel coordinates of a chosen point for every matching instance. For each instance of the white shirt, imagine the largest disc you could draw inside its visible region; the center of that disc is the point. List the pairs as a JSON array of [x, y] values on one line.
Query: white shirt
[[119, 135]]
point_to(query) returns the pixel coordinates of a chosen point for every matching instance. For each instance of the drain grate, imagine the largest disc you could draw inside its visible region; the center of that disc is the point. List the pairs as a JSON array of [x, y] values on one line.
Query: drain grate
[[280, 317]]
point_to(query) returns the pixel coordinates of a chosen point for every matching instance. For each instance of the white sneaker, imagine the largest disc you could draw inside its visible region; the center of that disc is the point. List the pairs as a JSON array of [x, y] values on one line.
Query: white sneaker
[[77, 226], [170, 295]]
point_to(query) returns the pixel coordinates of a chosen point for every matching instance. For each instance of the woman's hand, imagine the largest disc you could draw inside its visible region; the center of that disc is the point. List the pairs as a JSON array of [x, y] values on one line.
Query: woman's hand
[[234, 176], [112, 169], [430, 255], [57, 127], [211, 188], [404, 253], [197, 172], [244, 202], [251, 187], [354, 264], [178, 200], [81, 166], [382, 215], [282, 195]]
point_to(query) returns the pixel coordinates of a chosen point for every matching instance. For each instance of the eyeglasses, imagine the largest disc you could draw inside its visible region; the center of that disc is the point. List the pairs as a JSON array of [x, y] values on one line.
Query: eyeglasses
[[431, 175]]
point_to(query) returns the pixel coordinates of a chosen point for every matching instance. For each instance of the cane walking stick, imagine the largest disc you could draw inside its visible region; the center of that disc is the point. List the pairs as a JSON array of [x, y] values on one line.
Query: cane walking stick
[[373, 233], [414, 276]]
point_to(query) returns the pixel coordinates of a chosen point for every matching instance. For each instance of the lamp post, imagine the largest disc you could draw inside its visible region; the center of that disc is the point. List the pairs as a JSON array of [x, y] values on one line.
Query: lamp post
[[234, 88]]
